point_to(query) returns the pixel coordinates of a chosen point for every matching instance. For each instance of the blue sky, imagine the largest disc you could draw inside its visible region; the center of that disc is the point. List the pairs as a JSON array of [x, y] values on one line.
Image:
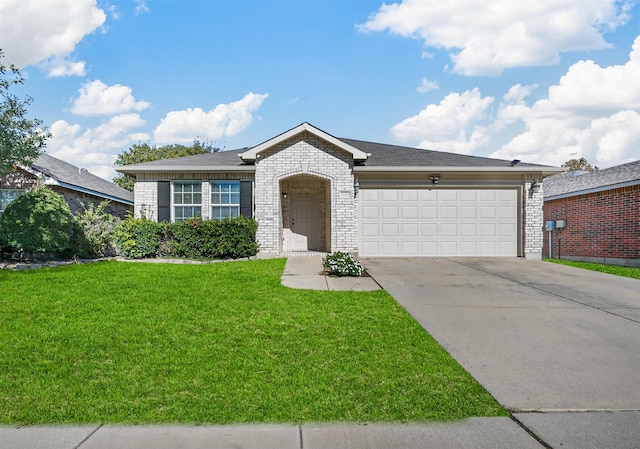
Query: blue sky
[[541, 81]]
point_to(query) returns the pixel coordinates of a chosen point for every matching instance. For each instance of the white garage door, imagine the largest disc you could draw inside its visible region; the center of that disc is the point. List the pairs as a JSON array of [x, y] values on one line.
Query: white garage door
[[438, 222]]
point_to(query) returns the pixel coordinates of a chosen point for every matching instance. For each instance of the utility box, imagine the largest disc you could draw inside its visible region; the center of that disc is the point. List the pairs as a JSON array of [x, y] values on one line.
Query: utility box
[[561, 224], [550, 225]]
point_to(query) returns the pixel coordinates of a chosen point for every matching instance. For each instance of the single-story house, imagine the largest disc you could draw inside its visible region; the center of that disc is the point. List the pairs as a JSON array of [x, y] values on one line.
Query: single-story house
[[311, 191], [598, 213], [78, 187]]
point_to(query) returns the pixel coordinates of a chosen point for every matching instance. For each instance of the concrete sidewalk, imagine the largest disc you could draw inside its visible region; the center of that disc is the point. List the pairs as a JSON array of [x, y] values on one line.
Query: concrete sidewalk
[[479, 433]]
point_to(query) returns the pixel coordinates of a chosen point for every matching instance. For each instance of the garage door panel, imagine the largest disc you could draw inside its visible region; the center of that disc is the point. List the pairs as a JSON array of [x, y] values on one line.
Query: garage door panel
[[409, 229], [448, 247], [389, 212], [409, 212], [447, 196], [390, 195], [468, 229], [448, 212], [427, 212], [467, 248], [438, 222], [429, 229], [370, 230], [467, 212], [370, 212], [428, 247], [506, 212], [448, 229], [410, 248], [390, 229], [487, 212], [390, 248]]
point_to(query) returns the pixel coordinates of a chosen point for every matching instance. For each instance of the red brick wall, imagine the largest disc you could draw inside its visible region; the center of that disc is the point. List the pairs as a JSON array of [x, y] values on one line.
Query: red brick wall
[[602, 224]]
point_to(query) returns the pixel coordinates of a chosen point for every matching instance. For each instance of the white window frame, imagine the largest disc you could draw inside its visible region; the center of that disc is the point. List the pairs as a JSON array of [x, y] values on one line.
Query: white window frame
[[193, 204], [225, 199], [16, 192]]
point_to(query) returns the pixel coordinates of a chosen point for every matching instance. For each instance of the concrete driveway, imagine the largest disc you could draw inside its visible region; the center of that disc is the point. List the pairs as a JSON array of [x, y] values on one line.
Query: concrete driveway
[[538, 336]]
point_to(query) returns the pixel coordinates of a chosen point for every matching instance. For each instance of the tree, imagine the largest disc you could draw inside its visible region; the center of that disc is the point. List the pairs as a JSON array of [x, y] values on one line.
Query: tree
[[579, 164], [140, 153], [21, 139]]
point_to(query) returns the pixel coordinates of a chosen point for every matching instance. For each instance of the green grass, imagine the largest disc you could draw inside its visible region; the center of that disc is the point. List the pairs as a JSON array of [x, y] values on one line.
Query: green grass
[[114, 342], [629, 272]]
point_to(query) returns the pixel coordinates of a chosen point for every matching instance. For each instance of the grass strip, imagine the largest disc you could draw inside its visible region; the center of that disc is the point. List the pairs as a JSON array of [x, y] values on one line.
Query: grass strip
[[630, 272], [114, 342]]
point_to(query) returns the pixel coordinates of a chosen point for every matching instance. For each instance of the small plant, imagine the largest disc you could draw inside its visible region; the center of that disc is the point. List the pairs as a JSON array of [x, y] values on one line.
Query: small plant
[[343, 264]]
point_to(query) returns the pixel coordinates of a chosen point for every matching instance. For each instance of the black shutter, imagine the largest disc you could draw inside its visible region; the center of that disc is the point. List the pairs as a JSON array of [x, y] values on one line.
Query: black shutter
[[246, 198], [164, 201]]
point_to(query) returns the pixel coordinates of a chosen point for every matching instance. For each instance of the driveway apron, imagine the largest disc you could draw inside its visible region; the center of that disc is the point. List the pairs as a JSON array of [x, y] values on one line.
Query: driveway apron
[[538, 336]]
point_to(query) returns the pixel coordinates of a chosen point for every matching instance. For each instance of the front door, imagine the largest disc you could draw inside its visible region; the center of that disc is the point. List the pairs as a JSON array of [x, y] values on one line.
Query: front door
[[305, 220]]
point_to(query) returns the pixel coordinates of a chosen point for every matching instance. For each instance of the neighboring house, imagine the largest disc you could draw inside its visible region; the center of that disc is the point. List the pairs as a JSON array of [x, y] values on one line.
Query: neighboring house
[[76, 185], [311, 191], [601, 213]]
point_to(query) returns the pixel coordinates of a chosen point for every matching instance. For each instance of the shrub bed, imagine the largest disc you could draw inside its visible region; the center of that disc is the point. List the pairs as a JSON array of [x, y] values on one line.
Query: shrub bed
[[194, 238]]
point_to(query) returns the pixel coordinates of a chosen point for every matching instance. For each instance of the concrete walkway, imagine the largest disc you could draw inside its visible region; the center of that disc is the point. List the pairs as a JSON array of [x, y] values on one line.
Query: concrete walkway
[[307, 273], [565, 430]]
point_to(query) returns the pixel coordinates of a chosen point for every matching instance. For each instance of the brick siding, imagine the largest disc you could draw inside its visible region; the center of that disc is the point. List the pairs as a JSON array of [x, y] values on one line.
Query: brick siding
[[306, 155], [598, 225]]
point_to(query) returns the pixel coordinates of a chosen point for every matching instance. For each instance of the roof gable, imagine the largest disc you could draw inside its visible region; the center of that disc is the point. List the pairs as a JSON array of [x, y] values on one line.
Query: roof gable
[[254, 153]]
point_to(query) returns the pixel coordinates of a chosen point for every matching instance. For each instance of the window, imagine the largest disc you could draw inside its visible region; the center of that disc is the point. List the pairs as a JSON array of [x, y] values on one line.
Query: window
[[7, 196], [187, 200], [225, 199]]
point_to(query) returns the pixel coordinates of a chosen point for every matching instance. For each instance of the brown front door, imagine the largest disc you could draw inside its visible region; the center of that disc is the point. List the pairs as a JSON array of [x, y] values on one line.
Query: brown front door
[[305, 217]]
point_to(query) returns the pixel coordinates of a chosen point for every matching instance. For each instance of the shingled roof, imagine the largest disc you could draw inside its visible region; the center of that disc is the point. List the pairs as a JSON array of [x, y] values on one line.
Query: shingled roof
[[580, 183], [380, 155], [74, 178]]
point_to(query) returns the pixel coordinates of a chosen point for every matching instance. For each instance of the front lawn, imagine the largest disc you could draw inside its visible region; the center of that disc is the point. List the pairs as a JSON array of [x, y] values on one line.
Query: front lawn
[[629, 272], [114, 342]]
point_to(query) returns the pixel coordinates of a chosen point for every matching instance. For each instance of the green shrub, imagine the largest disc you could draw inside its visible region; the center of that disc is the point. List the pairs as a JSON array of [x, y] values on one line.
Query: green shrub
[[38, 224], [230, 238], [97, 231], [343, 264], [138, 238], [193, 238]]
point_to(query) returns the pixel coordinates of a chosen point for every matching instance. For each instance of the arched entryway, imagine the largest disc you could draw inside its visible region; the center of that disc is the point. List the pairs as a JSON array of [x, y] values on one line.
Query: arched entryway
[[306, 213]]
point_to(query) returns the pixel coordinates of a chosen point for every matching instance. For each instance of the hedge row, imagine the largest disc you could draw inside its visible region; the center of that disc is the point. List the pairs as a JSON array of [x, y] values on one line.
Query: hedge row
[[231, 238]]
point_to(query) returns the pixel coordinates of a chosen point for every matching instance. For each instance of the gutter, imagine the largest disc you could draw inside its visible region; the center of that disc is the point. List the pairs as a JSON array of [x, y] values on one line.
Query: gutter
[[187, 168], [542, 170], [89, 191]]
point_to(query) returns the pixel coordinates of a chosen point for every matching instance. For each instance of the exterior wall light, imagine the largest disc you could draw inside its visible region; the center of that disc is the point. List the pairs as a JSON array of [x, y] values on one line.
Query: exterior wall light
[[356, 186], [435, 179]]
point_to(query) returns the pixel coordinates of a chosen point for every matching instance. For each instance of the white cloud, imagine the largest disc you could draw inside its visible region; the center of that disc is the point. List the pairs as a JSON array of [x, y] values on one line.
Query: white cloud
[[59, 66], [40, 29], [427, 85], [593, 112], [223, 120], [486, 37], [141, 7], [96, 98], [96, 148], [452, 125]]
